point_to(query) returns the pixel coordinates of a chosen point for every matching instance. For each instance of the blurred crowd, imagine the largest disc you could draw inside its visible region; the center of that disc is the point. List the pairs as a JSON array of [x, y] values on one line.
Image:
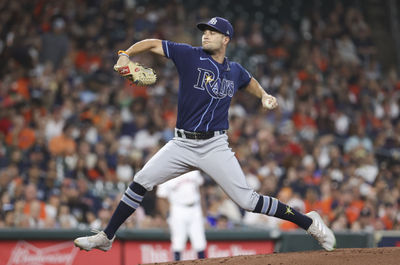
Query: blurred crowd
[[73, 133]]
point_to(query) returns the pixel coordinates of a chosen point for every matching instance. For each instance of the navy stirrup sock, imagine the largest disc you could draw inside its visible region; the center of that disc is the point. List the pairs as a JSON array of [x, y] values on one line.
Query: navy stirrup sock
[[272, 207], [177, 256], [130, 201], [201, 254]]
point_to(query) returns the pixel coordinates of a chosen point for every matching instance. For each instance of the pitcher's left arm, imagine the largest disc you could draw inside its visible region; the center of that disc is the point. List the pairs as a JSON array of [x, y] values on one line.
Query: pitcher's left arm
[[268, 101]]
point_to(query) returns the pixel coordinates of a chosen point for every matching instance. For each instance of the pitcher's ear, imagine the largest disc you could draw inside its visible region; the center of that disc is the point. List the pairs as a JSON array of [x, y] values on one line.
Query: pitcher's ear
[[226, 40]]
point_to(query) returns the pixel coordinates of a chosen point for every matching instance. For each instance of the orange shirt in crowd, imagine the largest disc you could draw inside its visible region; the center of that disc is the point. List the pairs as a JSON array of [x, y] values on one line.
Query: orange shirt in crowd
[[103, 122], [87, 62], [42, 214], [326, 208], [387, 222], [25, 139], [62, 145], [301, 121], [353, 210], [21, 87], [137, 91], [312, 206], [286, 226]]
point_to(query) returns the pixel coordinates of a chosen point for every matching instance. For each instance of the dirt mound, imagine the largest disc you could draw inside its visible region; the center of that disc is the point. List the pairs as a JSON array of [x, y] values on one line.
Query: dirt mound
[[344, 256]]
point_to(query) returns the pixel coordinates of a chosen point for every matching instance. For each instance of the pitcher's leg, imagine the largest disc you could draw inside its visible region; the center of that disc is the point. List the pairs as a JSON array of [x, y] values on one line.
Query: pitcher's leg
[[170, 161], [224, 168], [222, 165]]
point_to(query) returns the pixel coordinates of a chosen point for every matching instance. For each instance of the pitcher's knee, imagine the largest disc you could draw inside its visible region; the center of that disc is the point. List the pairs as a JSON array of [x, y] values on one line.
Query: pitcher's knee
[[247, 206], [143, 179], [249, 202]]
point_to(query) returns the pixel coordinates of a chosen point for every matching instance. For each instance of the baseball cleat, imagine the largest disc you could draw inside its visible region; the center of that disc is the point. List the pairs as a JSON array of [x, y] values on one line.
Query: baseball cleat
[[321, 232], [99, 241]]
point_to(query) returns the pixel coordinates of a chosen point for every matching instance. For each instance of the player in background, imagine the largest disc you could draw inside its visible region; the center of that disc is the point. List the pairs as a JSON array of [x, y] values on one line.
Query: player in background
[[185, 212], [207, 82]]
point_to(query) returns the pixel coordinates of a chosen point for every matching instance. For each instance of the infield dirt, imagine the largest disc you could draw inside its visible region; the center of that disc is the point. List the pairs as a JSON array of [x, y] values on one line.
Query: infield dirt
[[344, 256]]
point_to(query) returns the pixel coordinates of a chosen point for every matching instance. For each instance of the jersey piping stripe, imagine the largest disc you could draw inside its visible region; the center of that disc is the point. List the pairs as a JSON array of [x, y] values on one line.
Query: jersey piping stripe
[[212, 99], [248, 73], [212, 115], [134, 195], [202, 116], [129, 202], [166, 48]]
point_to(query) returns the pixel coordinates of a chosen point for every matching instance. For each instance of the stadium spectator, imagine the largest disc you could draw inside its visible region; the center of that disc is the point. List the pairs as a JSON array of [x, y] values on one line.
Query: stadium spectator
[[70, 128]]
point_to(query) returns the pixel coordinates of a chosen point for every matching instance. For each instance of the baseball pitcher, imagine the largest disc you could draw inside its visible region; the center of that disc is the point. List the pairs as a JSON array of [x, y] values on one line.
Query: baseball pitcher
[[208, 81]]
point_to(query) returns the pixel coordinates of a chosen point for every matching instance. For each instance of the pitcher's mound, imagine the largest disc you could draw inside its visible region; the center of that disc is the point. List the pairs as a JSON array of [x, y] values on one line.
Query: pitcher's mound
[[343, 256]]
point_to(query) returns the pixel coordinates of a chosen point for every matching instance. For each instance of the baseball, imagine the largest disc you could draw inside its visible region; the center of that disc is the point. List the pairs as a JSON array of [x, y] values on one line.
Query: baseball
[[270, 103]]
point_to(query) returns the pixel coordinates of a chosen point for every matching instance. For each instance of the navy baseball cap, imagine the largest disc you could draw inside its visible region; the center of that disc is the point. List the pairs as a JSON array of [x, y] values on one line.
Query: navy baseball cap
[[220, 24]]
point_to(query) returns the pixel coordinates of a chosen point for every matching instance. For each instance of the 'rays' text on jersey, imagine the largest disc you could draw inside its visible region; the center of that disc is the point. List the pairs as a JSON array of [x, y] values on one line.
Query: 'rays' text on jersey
[[215, 87]]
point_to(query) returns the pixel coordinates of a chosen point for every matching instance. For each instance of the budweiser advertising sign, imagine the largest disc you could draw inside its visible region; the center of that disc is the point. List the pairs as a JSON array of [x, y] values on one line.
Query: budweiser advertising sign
[[26, 253], [54, 253], [123, 252]]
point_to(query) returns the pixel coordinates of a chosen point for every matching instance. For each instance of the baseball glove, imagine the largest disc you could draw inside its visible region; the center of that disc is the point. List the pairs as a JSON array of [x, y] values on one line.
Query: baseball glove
[[136, 73]]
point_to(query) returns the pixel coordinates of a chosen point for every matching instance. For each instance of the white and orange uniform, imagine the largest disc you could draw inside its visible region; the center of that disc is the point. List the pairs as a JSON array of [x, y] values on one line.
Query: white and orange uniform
[[186, 217]]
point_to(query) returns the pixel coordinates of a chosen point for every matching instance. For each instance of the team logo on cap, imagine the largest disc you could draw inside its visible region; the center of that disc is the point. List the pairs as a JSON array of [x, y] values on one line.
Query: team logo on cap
[[213, 21]]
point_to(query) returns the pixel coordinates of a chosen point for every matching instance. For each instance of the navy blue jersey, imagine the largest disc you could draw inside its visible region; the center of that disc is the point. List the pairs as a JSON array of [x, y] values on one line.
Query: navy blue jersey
[[206, 87]]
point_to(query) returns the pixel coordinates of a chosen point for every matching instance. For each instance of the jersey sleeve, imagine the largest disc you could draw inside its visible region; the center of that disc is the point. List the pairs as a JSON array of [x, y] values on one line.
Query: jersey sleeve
[[176, 51], [244, 77], [181, 54]]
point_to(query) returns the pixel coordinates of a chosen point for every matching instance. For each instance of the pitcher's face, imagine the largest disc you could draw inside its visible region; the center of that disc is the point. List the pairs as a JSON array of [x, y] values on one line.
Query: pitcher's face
[[213, 41]]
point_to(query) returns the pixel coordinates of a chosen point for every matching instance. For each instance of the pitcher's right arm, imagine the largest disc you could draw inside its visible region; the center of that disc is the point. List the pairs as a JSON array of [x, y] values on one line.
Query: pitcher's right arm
[[151, 45]]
